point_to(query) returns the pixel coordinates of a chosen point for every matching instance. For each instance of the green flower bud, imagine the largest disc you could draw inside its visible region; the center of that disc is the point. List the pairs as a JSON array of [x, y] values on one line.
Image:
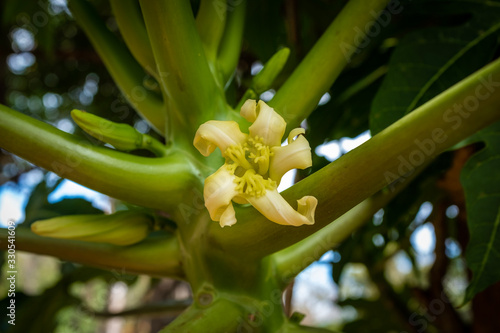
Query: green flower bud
[[121, 136], [122, 228], [265, 78]]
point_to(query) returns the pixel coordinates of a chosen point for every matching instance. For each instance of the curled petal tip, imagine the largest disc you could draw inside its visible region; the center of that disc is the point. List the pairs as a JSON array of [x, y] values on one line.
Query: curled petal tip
[[278, 210], [307, 208], [249, 110], [294, 133], [228, 218]]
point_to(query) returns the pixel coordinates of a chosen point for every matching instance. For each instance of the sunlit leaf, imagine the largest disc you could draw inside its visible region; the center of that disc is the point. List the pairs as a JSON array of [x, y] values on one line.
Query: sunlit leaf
[[427, 62]]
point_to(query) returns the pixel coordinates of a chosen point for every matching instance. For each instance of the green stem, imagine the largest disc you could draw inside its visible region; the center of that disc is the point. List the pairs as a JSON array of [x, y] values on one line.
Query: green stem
[[129, 19], [221, 316], [161, 183], [125, 70], [154, 146], [210, 22], [386, 158], [249, 94], [157, 256], [230, 46], [361, 84], [301, 92], [293, 259], [184, 72], [295, 328]]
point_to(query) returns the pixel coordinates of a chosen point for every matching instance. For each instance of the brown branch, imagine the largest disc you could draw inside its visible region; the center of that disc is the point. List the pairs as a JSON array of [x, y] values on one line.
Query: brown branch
[[287, 304], [292, 25], [390, 298], [446, 318]]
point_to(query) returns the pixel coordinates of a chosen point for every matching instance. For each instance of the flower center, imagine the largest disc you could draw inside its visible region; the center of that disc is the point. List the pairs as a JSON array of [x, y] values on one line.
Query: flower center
[[249, 162]]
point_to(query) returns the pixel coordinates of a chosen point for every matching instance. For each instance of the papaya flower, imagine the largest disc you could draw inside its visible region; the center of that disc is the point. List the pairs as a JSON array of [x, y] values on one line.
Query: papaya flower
[[254, 165]]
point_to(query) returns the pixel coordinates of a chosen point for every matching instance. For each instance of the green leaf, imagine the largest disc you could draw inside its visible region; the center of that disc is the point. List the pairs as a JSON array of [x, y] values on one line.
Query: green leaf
[[347, 112], [343, 116], [427, 62], [38, 207], [481, 181], [273, 67]]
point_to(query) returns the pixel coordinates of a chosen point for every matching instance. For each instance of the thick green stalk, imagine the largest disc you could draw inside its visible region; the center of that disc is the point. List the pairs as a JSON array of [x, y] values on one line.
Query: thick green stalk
[[157, 256], [389, 157], [230, 46], [182, 65], [161, 183], [129, 19], [210, 22], [125, 70], [301, 92], [221, 316], [292, 260]]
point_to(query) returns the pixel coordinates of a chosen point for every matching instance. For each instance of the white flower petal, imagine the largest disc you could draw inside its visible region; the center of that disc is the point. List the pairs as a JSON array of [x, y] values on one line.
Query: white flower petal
[[228, 218], [218, 133], [273, 206], [240, 200], [307, 207], [249, 110], [268, 125], [295, 155], [218, 192]]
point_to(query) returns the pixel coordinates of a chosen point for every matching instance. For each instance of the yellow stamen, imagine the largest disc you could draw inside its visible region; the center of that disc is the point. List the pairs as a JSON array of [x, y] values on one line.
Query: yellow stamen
[[250, 164], [253, 184], [237, 155]]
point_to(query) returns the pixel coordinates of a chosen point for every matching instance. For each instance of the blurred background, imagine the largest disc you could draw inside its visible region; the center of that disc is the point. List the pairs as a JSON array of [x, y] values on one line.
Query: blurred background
[[404, 271]]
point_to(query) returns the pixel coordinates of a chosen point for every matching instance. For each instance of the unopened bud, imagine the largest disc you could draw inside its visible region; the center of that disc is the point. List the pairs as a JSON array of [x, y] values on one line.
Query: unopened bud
[[265, 78], [121, 136], [122, 228]]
